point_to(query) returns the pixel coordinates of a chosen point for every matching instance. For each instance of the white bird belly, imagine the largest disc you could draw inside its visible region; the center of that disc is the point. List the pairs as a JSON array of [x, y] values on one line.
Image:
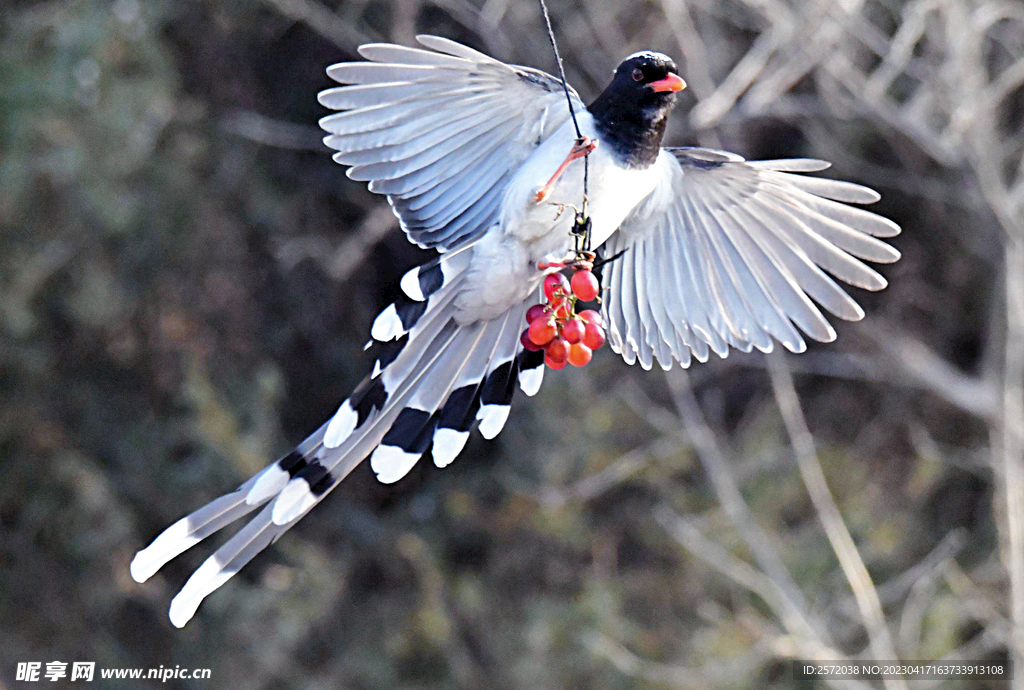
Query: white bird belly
[[613, 191]]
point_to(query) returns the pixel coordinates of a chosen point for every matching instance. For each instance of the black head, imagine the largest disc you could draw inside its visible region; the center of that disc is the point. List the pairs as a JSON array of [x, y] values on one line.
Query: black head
[[648, 79], [632, 111]]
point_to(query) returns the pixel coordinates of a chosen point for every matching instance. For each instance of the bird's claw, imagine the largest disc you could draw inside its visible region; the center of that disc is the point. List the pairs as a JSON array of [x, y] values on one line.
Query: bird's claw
[[584, 146]]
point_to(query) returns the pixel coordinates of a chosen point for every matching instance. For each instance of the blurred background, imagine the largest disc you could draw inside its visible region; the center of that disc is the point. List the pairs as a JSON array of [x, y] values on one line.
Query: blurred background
[[187, 281]]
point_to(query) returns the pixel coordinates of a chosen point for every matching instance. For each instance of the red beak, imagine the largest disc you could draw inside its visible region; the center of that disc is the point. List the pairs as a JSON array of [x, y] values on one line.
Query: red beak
[[673, 82]]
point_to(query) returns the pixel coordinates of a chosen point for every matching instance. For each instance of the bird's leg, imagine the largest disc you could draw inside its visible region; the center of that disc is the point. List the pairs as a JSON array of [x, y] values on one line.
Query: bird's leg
[[581, 148]]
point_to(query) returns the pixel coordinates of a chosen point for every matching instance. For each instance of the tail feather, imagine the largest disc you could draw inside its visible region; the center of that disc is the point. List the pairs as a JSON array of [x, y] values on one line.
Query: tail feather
[[409, 360], [404, 315], [496, 392], [423, 281], [310, 484], [407, 438], [405, 443], [531, 371], [222, 511], [256, 535], [272, 479], [187, 532], [369, 434], [457, 415], [432, 380], [396, 357], [375, 392]]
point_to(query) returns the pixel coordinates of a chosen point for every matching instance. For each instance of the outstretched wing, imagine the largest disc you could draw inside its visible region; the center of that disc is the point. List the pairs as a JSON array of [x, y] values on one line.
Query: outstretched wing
[[439, 131], [727, 252]]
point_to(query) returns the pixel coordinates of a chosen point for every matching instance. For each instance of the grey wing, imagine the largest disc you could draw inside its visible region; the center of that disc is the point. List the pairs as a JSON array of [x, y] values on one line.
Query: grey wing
[[733, 253], [439, 131]]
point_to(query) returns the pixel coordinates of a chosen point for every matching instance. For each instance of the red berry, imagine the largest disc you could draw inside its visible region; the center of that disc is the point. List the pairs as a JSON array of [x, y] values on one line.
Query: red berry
[[558, 350], [553, 282], [563, 309], [542, 331], [535, 312], [579, 355], [573, 331], [529, 344], [593, 336], [585, 285], [591, 316], [552, 363]]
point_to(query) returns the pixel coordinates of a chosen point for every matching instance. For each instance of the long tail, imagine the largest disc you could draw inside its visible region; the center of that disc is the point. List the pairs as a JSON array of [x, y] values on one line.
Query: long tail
[[432, 380]]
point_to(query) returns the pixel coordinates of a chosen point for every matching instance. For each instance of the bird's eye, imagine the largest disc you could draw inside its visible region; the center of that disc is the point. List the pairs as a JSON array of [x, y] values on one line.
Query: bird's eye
[[638, 74]]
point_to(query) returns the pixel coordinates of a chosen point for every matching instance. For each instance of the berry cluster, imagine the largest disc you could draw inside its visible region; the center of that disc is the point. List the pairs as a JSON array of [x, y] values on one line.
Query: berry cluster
[[565, 336]]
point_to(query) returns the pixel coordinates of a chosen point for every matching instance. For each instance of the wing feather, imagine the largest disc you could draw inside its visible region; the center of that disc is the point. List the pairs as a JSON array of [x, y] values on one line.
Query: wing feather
[[729, 253], [439, 130], [389, 52]]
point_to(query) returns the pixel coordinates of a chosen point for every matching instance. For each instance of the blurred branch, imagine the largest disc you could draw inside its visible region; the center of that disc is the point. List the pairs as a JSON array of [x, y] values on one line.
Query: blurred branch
[[913, 360], [985, 152], [371, 230], [712, 109], [808, 644], [611, 476], [335, 29], [723, 480], [1011, 439], [738, 570], [821, 34], [896, 588], [339, 262], [695, 52], [775, 585], [31, 276], [916, 360], [976, 603], [630, 664], [976, 461], [832, 520], [269, 132]]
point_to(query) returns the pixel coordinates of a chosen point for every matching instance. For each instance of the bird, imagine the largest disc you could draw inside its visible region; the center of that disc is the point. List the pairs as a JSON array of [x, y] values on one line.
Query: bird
[[478, 160]]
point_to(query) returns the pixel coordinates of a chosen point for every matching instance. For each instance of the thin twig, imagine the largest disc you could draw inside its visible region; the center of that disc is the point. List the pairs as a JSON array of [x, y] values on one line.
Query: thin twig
[[738, 570], [726, 489], [832, 520], [802, 640]]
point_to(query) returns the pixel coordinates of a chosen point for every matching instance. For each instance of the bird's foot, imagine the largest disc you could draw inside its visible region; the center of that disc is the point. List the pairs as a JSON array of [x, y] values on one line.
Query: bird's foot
[[583, 147]]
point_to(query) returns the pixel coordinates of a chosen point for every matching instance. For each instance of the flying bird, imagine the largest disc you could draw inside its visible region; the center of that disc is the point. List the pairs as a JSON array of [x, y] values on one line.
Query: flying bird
[[478, 159]]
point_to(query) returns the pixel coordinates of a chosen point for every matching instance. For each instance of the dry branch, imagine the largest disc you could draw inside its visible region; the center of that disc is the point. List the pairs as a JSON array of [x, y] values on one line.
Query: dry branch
[[831, 519]]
